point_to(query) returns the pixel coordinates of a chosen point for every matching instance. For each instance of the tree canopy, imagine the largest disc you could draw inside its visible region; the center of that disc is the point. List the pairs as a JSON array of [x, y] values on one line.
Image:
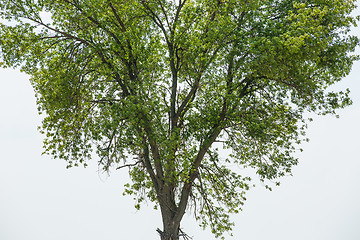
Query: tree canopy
[[181, 91]]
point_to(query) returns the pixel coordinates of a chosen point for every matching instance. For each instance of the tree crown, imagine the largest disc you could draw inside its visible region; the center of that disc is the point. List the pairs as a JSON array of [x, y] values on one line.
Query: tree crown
[[160, 86]]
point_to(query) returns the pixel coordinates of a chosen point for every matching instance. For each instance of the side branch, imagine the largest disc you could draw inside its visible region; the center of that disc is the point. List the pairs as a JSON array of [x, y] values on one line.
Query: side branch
[[64, 34], [149, 167], [199, 157], [123, 28], [192, 93], [129, 165], [153, 145], [189, 97], [156, 19]]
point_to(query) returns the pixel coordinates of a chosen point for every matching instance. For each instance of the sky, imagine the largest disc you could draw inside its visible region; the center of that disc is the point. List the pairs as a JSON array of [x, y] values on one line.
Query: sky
[[42, 200]]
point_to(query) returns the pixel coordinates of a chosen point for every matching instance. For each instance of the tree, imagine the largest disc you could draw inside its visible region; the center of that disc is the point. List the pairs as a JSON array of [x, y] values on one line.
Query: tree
[[163, 87]]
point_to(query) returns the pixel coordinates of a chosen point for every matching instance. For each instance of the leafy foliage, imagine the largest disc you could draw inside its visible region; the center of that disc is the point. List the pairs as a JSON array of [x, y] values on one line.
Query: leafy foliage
[[153, 84]]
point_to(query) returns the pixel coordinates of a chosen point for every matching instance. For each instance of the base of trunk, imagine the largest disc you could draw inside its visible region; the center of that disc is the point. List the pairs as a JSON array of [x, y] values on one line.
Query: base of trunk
[[168, 236]]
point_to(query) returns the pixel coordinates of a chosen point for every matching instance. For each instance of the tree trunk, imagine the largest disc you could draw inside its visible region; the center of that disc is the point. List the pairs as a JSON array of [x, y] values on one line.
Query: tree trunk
[[171, 227], [169, 234], [170, 215]]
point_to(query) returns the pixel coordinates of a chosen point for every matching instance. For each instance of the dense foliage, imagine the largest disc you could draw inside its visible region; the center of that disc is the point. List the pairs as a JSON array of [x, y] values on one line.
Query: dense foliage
[[181, 91]]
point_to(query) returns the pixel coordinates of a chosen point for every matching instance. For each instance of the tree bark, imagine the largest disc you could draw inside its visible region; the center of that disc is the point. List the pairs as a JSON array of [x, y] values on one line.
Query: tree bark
[[169, 234], [170, 214], [171, 227]]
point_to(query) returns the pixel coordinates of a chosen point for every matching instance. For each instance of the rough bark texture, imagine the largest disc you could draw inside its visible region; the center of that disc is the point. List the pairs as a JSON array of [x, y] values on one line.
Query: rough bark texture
[[169, 234], [170, 214]]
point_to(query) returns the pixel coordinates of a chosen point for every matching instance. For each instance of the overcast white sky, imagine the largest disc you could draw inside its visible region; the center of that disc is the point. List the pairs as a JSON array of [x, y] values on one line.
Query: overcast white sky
[[42, 200]]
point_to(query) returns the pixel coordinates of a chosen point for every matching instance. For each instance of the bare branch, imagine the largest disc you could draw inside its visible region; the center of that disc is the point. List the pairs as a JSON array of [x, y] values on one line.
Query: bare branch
[[129, 165]]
